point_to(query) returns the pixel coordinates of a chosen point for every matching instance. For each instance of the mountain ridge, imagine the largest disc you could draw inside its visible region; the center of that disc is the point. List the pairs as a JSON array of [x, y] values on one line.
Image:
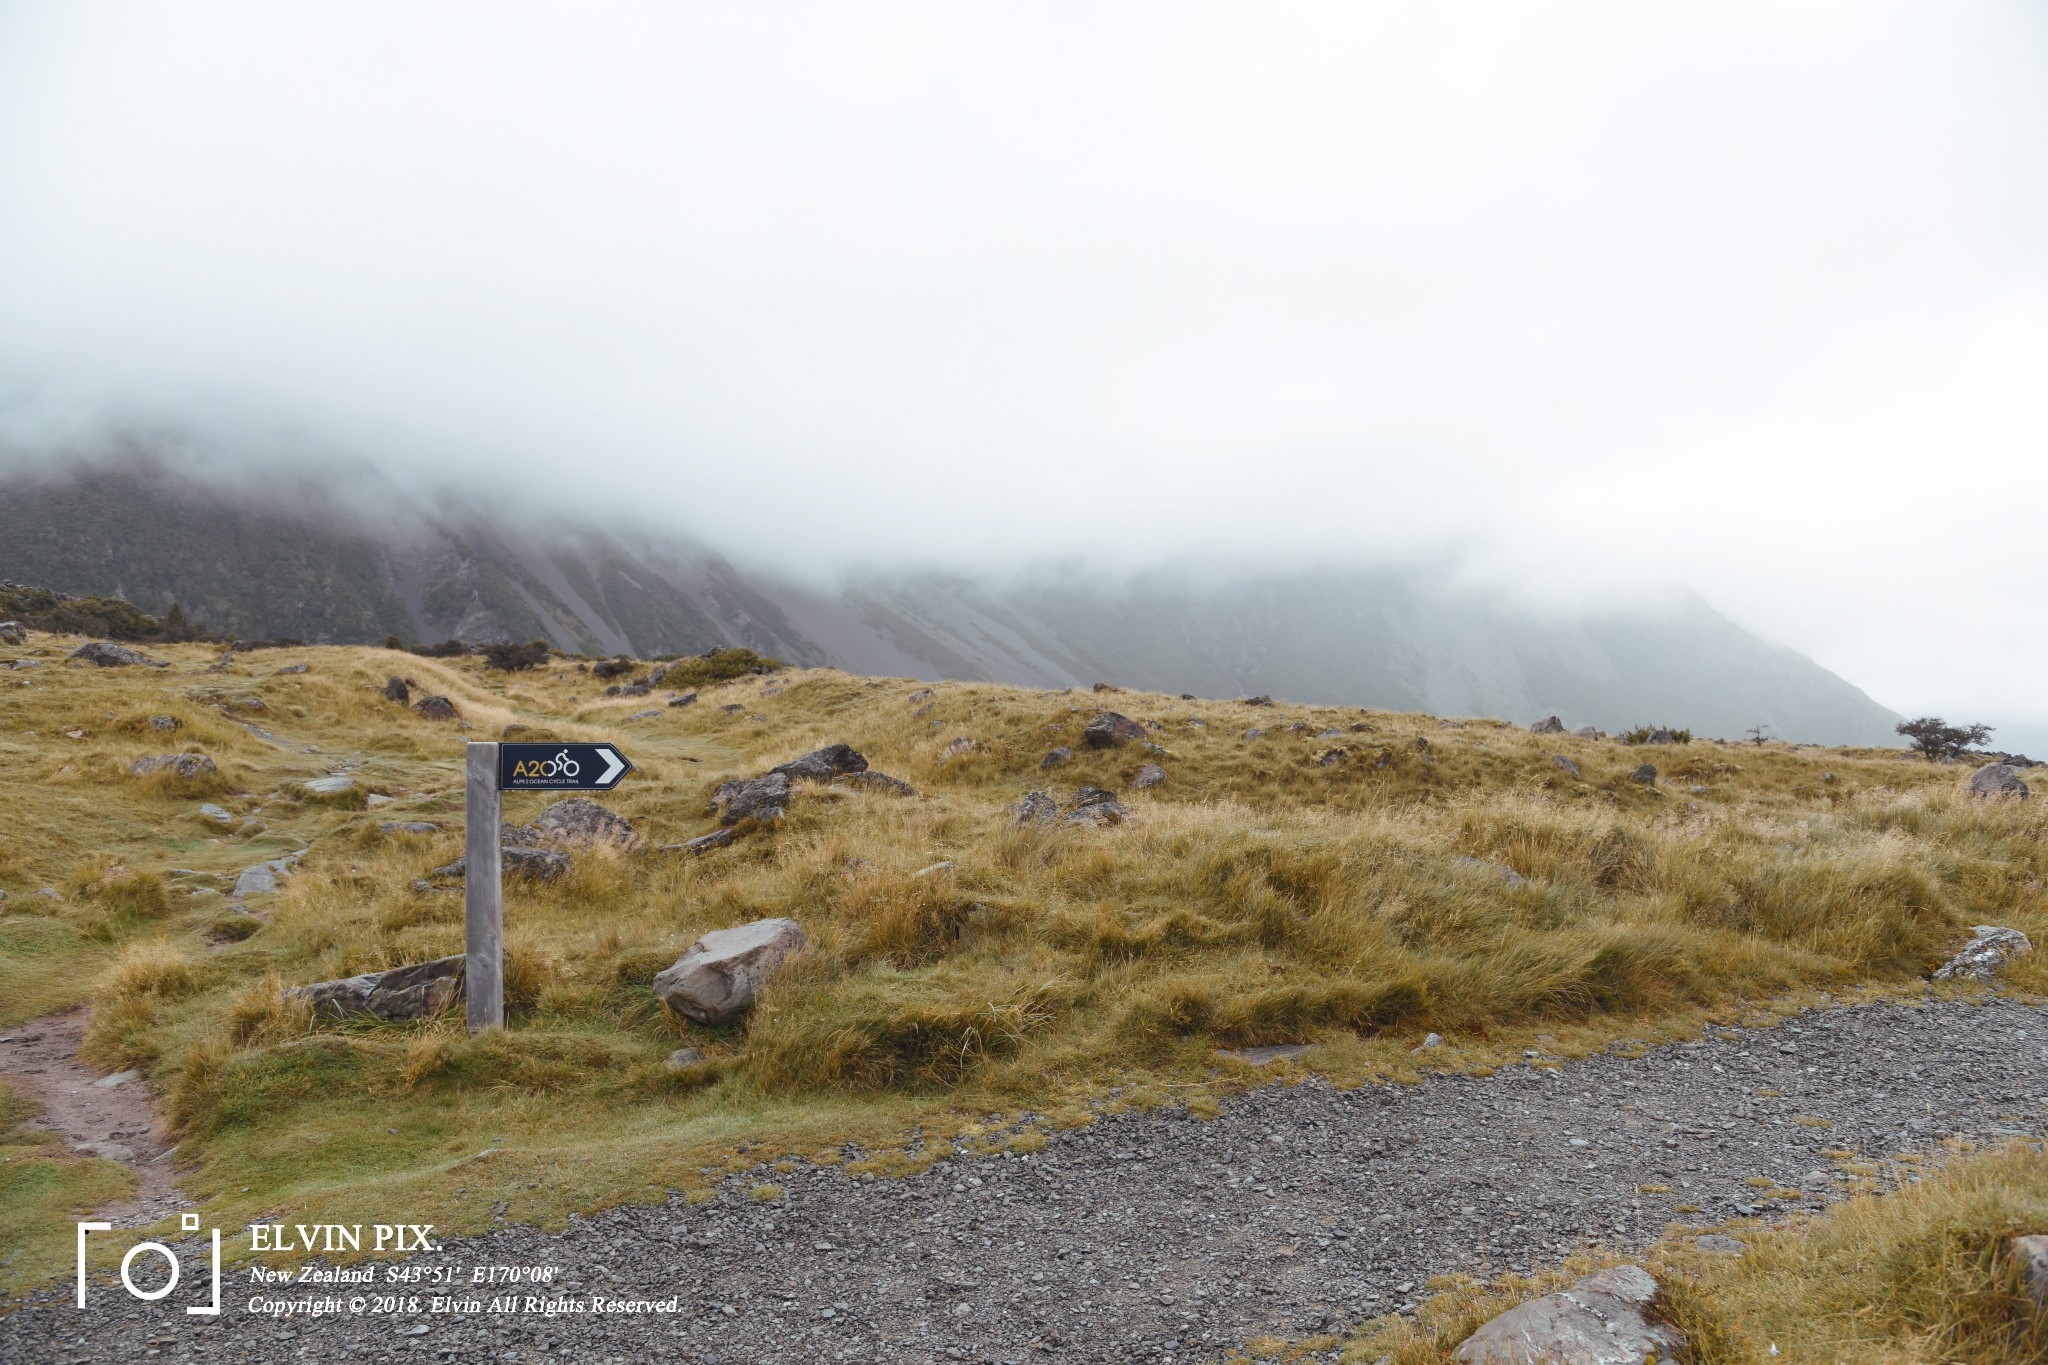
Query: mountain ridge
[[313, 563]]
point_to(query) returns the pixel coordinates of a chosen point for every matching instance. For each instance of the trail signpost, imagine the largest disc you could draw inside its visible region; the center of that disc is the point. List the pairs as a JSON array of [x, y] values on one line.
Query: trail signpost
[[492, 769]]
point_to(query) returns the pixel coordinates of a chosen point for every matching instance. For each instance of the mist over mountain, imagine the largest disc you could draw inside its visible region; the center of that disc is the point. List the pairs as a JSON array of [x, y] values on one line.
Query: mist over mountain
[[355, 560]]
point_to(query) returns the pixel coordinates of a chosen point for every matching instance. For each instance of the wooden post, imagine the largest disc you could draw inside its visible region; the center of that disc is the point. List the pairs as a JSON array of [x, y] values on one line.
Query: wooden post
[[483, 905]]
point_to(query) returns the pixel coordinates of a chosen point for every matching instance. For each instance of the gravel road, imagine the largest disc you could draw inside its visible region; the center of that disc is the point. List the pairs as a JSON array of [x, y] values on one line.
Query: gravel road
[[1162, 1237]]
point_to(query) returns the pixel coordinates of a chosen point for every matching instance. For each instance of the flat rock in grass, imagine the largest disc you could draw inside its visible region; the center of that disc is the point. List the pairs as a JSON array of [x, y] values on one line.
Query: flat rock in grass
[[186, 767], [822, 765], [262, 879], [2031, 1254], [757, 798], [873, 781], [107, 654], [1151, 775], [162, 722], [1984, 956], [1109, 729], [1265, 1056], [683, 699], [409, 827], [1601, 1320], [579, 820], [1585, 732], [959, 748], [216, 814], [338, 784], [720, 976], [402, 993], [1565, 763], [1997, 782], [702, 844], [683, 1058], [290, 669], [435, 708], [1055, 757]]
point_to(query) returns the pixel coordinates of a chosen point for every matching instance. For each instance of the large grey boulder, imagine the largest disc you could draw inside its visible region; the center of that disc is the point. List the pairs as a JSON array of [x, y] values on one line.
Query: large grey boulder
[[1984, 956], [183, 766], [1601, 1320], [107, 654], [580, 820], [873, 781], [414, 992], [1647, 775], [1585, 732], [1565, 763], [1037, 808], [1109, 729], [397, 689], [822, 765], [1997, 782], [756, 798], [1549, 725], [435, 708], [721, 975], [1094, 806], [262, 879]]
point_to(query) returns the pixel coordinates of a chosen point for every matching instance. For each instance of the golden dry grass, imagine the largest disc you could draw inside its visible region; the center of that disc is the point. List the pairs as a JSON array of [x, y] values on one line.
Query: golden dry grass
[[1259, 896]]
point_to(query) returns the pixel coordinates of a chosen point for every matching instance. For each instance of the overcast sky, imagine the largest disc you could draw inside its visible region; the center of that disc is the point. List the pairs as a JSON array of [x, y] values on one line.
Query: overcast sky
[[1752, 298]]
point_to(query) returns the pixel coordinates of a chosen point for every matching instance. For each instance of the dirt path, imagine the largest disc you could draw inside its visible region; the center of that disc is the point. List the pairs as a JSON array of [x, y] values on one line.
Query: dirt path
[[112, 1117], [1159, 1237]]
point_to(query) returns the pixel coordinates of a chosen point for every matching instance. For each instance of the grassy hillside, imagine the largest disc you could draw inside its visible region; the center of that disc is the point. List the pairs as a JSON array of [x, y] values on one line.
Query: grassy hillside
[[1265, 892]]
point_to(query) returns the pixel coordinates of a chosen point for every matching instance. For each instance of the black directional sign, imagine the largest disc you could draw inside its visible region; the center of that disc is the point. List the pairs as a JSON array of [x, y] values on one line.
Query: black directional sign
[[560, 767]]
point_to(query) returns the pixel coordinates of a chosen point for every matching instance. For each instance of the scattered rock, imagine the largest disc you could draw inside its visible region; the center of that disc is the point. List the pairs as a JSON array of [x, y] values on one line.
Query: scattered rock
[[921, 694], [290, 669], [1661, 736], [1332, 733], [162, 722], [720, 976], [118, 1078], [337, 784], [822, 765], [409, 827], [1054, 758], [959, 748], [933, 870], [1601, 1320], [683, 1058], [1109, 729], [877, 782], [1266, 1056], [1105, 687], [1094, 806], [395, 689], [1585, 732], [1257, 701], [1434, 1040], [50, 893], [107, 654], [1254, 733], [13, 633], [1720, 1244], [1984, 956], [1151, 775], [414, 992], [645, 715], [1565, 763], [1647, 775], [1997, 782], [186, 767], [580, 820], [219, 816], [1549, 725], [1422, 743], [2031, 1253], [683, 699], [435, 708], [534, 864], [759, 798], [1330, 758], [1037, 808]]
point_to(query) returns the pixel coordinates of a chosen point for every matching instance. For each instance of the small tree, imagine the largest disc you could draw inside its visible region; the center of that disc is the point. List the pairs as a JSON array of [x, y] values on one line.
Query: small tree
[[514, 658], [1936, 739], [1756, 734]]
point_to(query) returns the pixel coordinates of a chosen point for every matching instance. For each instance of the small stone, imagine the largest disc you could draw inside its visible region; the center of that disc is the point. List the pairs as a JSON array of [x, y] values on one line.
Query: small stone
[[1257, 701], [339, 784], [186, 767], [2032, 1254], [395, 689], [1549, 725], [118, 1078], [1647, 775], [290, 669], [107, 654], [1094, 806], [1254, 733], [216, 814], [932, 871], [1985, 955], [1037, 808], [435, 708], [163, 722], [1565, 763], [959, 748], [877, 782], [703, 843], [262, 879], [683, 699], [1721, 1244], [1506, 875], [683, 1058], [1055, 757], [1110, 729], [1151, 775], [409, 827], [1433, 1040]]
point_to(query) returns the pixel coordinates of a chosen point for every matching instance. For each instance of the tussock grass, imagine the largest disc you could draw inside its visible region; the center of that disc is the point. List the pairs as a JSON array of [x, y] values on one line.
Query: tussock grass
[[1256, 897]]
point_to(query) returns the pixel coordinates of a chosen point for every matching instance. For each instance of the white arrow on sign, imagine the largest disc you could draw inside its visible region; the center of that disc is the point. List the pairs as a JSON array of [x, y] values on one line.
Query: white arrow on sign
[[614, 765]]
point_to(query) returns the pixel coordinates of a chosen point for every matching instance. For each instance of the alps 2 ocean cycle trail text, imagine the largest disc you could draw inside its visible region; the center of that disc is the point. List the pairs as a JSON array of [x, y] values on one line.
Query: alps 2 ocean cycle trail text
[[560, 767]]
